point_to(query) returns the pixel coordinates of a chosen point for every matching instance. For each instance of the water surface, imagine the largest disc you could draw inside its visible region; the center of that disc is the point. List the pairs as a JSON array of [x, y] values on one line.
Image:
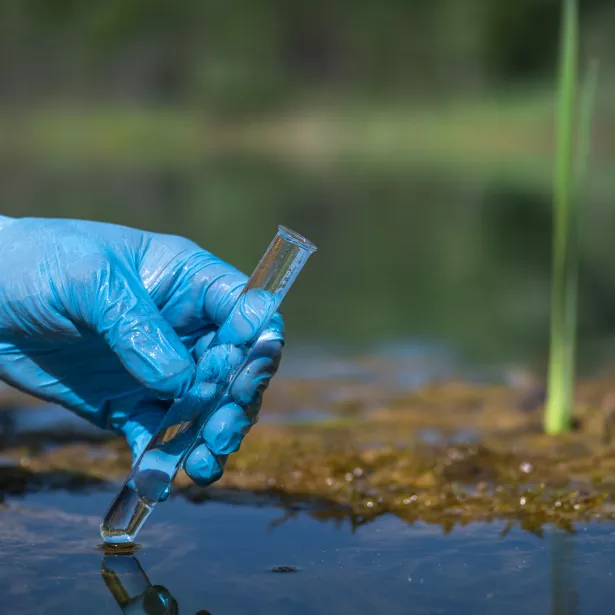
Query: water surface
[[218, 558], [419, 275]]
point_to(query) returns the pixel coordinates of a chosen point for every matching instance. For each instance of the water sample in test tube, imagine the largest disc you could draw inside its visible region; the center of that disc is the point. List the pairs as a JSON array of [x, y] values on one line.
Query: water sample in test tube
[[151, 477]]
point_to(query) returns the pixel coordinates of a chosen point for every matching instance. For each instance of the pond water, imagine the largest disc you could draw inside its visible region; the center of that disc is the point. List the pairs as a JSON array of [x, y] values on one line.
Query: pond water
[[245, 552], [418, 275], [225, 559]]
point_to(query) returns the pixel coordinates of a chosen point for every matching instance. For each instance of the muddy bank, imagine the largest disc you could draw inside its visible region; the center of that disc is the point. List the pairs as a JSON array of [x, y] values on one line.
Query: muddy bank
[[449, 453]]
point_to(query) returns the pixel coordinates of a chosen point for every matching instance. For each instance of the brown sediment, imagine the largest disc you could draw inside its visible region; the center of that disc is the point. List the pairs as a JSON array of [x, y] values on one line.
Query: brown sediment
[[362, 464], [119, 549]]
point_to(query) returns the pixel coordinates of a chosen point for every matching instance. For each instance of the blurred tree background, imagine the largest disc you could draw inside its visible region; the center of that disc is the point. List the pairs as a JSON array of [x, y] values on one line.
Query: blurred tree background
[[242, 55], [411, 139]]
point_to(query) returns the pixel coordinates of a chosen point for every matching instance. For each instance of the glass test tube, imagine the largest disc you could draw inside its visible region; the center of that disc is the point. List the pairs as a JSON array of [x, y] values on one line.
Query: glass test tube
[[152, 475]]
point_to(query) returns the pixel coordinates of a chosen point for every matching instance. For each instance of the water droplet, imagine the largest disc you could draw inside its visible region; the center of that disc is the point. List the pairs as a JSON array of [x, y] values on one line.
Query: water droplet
[[522, 501], [348, 476], [370, 505], [358, 472]]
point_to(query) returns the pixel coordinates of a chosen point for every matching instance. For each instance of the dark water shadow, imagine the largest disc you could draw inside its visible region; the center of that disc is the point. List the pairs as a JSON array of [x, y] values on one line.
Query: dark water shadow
[[17, 480], [325, 511], [43, 425]]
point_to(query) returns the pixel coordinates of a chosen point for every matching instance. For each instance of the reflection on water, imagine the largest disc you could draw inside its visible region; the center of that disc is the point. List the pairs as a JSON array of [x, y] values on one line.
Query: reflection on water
[[136, 595], [132, 590], [218, 559], [565, 598]]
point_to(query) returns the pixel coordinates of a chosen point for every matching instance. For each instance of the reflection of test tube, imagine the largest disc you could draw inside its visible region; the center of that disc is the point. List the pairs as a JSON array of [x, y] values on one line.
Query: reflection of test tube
[[152, 475], [132, 590]]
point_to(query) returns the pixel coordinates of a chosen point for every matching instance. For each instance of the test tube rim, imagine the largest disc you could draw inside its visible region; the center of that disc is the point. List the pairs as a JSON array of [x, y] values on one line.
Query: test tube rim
[[296, 238]]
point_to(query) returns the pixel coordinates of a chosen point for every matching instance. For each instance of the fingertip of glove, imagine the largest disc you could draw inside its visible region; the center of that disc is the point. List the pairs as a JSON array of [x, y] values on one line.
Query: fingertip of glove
[[226, 429], [203, 467], [276, 328]]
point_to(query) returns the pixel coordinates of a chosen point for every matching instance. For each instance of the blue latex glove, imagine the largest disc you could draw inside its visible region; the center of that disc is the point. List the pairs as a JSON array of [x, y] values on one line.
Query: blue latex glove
[[108, 321]]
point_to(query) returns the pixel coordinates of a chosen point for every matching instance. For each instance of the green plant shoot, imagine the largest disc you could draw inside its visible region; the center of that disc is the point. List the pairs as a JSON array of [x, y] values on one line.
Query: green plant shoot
[[569, 182]]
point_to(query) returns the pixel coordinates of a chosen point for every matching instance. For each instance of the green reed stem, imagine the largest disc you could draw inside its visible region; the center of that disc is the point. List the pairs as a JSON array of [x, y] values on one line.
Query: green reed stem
[[563, 298], [568, 198]]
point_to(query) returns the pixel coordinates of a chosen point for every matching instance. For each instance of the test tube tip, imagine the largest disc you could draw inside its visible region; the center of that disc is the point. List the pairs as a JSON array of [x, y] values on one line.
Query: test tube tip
[[296, 238]]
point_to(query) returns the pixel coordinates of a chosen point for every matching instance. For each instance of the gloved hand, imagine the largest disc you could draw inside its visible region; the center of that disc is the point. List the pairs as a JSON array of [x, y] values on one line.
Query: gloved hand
[[108, 321]]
